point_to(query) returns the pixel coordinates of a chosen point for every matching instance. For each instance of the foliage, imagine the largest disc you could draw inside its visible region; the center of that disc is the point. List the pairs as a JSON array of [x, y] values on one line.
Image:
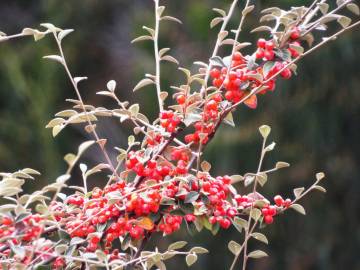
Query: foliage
[[160, 180]]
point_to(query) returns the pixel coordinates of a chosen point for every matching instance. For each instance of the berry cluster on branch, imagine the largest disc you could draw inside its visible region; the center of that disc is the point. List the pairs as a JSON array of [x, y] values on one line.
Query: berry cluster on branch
[[160, 181]]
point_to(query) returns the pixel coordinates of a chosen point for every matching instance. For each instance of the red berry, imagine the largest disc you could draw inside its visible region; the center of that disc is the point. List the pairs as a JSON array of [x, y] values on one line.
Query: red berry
[[269, 55], [190, 217], [295, 33], [278, 200], [237, 56], [268, 219], [215, 73], [218, 83], [259, 54], [270, 45], [180, 99], [286, 73], [261, 43], [225, 223]]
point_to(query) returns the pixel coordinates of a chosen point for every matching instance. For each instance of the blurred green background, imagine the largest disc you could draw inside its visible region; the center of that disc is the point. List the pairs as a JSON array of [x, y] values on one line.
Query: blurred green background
[[315, 117]]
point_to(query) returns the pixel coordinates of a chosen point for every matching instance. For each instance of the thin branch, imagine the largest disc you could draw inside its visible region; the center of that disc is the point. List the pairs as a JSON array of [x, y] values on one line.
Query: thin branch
[[325, 40], [103, 149], [247, 229], [318, 22], [217, 45], [157, 56]]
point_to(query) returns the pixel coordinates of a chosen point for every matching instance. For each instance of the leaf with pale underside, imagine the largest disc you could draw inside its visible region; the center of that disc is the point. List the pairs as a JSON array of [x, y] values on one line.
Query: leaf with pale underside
[[142, 83], [257, 254], [298, 208], [191, 259]]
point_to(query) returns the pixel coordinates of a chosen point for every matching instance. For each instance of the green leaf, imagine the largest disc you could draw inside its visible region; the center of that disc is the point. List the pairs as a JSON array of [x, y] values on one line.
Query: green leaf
[[255, 214], [199, 250], [353, 8], [236, 178], [240, 222], [192, 196], [170, 58], [64, 33], [56, 58], [234, 247], [101, 255], [298, 49], [134, 109], [261, 178], [320, 188], [247, 10], [191, 259], [220, 11], [170, 18], [191, 118], [64, 235], [257, 254], [262, 28], [281, 164], [142, 83], [270, 147], [260, 237], [229, 119], [142, 38], [266, 69], [217, 61], [177, 245], [344, 21], [324, 7], [320, 176], [298, 191], [111, 85], [298, 208], [215, 21]]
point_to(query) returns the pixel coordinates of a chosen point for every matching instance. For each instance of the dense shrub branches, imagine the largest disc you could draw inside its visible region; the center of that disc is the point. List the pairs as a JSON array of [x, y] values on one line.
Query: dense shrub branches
[[160, 180]]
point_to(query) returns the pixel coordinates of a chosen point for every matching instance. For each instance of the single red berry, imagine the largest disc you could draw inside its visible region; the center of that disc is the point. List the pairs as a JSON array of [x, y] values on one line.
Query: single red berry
[[278, 200], [225, 223], [260, 54], [268, 219], [215, 73], [190, 217], [295, 33], [286, 73], [180, 99], [269, 55], [261, 43], [237, 56], [270, 45]]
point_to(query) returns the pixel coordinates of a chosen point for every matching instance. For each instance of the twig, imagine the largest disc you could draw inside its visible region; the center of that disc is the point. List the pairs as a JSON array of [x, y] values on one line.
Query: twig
[[157, 56], [217, 45], [103, 149]]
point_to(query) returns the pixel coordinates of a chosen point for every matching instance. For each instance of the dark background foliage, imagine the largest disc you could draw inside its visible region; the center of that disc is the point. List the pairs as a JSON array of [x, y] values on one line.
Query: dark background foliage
[[315, 117]]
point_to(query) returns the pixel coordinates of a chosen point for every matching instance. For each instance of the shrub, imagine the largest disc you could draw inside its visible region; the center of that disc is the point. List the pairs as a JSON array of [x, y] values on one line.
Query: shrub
[[160, 180]]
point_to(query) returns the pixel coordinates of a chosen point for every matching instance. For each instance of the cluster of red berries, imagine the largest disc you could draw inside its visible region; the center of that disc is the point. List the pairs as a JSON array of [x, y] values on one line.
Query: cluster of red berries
[[265, 50], [154, 170], [169, 120], [280, 202], [209, 117], [269, 211], [239, 81], [170, 224], [31, 227], [154, 138]]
